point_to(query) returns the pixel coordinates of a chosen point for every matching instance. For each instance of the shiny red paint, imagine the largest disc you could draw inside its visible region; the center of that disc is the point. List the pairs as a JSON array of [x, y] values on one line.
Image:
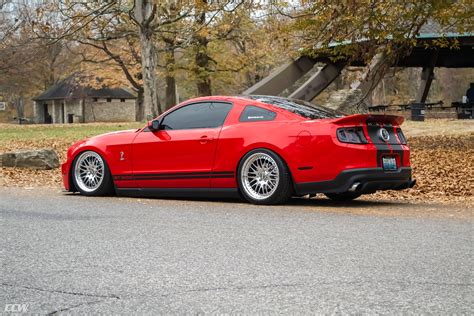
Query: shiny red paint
[[210, 157], [174, 152]]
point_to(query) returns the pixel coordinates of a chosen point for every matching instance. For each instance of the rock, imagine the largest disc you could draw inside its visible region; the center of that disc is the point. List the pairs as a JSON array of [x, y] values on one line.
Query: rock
[[43, 159], [347, 101]]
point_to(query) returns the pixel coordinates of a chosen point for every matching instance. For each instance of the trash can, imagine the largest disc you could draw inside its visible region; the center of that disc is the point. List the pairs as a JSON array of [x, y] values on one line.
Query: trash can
[[417, 111]]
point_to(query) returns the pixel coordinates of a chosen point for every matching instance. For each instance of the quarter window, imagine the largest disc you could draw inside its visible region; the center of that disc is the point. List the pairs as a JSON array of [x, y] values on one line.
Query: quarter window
[[255, 114], [197, 115]]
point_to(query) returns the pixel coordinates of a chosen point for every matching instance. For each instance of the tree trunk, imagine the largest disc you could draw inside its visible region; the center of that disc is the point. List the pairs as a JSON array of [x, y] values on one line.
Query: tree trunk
[[151, 106], [203, 79], [170, 91], [144, 13], [170, 77], [19, 107], [140, 109]]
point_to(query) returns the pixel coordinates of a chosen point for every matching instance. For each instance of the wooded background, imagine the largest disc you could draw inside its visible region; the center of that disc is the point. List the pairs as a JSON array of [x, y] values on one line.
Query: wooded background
[[169, 51]]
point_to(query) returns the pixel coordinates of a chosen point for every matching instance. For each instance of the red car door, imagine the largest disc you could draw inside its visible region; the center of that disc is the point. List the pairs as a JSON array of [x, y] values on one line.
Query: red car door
[[181, 153]]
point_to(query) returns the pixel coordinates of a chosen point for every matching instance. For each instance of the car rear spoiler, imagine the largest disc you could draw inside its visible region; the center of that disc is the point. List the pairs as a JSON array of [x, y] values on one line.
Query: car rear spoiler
[[364, 118]]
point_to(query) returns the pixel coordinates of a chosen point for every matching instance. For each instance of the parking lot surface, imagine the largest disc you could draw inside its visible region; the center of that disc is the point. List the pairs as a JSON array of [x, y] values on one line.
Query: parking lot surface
[[64, 253]]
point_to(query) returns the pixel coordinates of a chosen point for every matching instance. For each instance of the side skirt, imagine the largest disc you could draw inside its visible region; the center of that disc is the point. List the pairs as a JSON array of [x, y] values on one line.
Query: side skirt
[[179, 192]]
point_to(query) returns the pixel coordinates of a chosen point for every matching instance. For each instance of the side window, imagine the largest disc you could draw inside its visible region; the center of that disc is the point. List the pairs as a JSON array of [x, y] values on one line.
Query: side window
[[197, 115], [254, 114]]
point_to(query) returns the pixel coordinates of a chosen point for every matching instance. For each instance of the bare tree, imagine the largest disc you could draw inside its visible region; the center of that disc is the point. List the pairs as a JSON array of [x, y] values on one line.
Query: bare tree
[[144, 13]]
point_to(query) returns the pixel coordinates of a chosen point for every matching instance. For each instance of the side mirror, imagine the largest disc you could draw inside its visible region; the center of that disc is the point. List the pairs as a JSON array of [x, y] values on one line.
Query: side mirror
[[154, 125]]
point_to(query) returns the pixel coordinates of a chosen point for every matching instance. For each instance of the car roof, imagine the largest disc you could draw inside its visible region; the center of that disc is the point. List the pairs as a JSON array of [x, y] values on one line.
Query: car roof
[[254, 99], [277, 103], [251, 97]]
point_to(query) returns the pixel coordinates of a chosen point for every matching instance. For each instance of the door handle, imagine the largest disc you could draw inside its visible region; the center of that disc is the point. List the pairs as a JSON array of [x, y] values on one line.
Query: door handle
[[204, 139]]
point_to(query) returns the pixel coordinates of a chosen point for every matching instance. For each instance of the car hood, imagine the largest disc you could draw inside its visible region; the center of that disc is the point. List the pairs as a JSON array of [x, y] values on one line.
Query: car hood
[[103, 140], [115, 134]]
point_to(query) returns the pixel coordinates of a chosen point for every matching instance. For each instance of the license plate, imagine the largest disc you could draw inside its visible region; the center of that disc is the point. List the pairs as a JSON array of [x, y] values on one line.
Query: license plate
[[389, 163]]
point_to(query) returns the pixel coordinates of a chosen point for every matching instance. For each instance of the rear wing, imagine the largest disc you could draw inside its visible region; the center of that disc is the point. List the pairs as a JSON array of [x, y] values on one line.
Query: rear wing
[[369, 118]]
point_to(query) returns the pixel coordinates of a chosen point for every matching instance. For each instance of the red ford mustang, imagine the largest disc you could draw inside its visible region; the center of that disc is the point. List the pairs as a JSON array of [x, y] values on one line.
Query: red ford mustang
[[264, 148]]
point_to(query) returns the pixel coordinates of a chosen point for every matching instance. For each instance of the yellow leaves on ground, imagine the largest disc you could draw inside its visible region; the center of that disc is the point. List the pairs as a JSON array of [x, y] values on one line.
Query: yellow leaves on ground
[[443, 167]]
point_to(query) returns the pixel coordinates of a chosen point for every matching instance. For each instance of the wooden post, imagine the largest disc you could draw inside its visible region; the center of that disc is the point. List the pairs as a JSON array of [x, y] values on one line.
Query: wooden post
[[427, 76]]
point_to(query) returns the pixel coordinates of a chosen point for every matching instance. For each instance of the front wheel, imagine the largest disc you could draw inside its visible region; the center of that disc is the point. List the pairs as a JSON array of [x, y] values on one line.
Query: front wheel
[[91, 175], [343, 197], [263, 178]]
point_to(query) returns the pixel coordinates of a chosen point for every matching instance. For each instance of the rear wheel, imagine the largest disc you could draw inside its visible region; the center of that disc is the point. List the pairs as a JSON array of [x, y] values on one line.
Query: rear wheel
[[263, 178], [91, 175], [343, 197]]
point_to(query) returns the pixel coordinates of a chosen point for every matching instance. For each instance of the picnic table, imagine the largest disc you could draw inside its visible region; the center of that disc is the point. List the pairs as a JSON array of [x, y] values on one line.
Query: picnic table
[[464, 110], [378, 108], [404, 107]]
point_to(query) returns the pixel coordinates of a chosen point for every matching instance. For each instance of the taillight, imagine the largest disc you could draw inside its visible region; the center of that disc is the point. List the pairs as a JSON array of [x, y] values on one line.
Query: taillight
[[401, 137], [352, 135]]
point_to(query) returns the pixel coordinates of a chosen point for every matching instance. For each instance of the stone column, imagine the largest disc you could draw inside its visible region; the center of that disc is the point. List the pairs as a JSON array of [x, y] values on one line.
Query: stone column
[[53, 113], [57, 112], [282, 78], [83, 111], [65, 112], [372, 75], [318, 82], [38, 110]]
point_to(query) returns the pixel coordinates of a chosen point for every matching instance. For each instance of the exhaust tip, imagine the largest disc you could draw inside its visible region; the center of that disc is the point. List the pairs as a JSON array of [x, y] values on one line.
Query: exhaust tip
[[354, 187]]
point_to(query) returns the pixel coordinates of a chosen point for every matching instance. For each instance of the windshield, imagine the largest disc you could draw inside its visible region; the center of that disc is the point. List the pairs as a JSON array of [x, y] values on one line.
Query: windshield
[[299, 107]]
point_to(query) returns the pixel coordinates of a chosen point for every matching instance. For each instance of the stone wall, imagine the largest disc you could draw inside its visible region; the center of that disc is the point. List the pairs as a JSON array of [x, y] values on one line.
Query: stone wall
[[94, 111], [113, 111], [74, 108]]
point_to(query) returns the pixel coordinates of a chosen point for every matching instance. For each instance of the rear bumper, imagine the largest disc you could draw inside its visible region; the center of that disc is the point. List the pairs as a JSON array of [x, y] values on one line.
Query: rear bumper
[[370, 179]]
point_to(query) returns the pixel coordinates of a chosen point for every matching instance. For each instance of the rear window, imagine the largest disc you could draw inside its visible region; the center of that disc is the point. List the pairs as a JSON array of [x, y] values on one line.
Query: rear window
[[299, 107]]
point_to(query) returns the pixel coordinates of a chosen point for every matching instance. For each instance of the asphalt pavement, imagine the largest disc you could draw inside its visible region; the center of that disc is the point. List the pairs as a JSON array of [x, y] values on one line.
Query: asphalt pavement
[[64, 253]]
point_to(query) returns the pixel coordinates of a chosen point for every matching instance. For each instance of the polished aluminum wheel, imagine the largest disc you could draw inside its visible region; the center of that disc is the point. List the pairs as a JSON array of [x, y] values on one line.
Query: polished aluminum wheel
[[260, 176], [89, 171]]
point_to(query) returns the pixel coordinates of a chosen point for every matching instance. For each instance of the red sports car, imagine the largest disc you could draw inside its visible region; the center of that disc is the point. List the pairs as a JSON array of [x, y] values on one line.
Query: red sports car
[[264, 148]]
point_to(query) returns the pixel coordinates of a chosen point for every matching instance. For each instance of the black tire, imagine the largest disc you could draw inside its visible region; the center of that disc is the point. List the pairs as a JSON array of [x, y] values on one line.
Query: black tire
[[283, 190], [106, 187], [343, 197]]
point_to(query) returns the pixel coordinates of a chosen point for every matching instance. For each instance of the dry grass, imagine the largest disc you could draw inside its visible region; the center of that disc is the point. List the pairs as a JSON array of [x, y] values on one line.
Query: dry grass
[[440, 127], [67, 132]]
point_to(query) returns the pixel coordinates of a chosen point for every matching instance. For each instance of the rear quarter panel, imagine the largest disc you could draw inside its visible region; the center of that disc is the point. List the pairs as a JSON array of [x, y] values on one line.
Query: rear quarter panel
[[309, 147], [282, 136], [328, 157]]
